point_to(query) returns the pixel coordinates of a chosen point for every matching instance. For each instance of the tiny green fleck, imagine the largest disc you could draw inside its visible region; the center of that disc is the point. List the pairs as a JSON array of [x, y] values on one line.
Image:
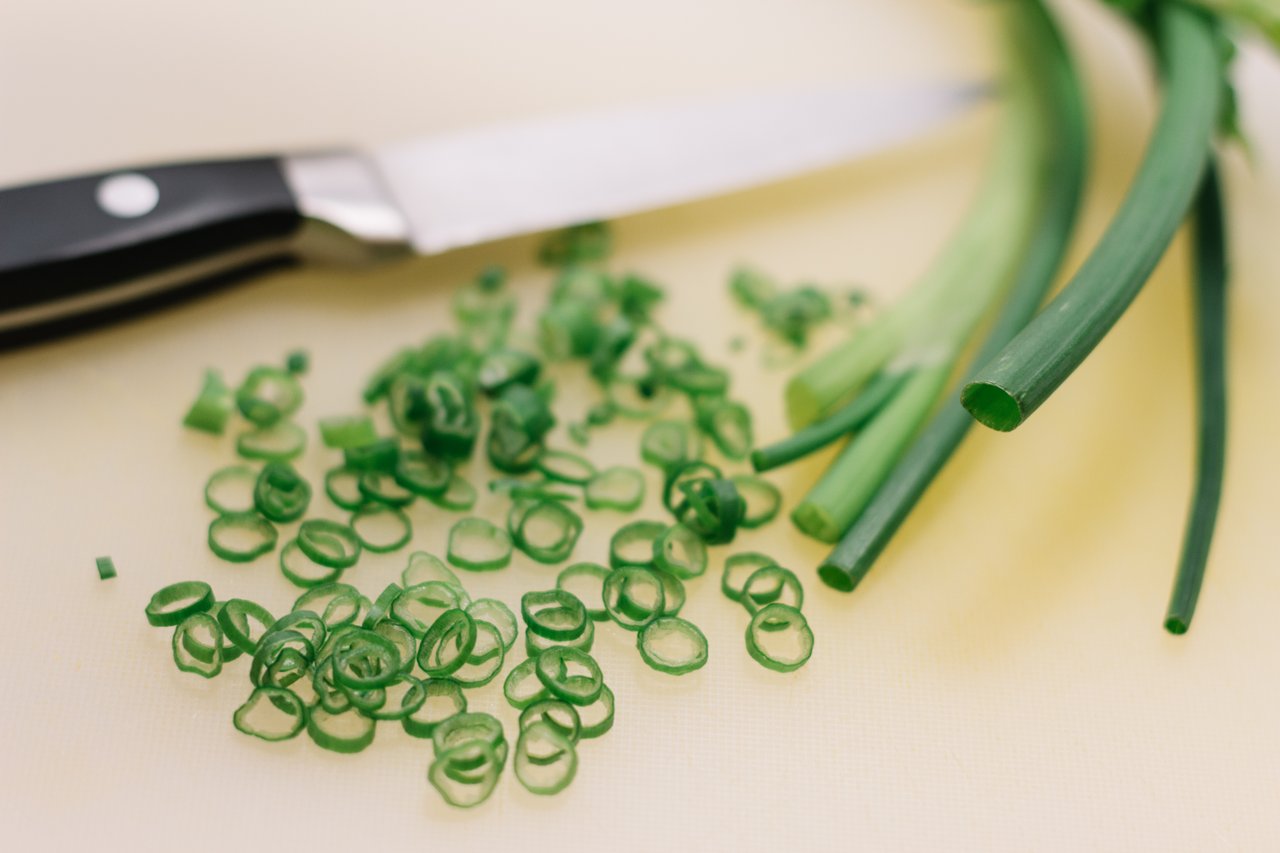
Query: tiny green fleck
[[106, 568]]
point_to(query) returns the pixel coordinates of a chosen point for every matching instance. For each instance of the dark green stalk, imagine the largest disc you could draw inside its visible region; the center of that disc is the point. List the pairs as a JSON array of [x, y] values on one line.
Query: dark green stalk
[[1013, 384], [1063, 178], [816, 436], [1210, 259]]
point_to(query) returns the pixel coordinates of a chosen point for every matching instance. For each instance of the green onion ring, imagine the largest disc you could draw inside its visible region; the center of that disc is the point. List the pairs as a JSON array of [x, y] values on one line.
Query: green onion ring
[[769, 632], [694, 469], [425, 567], [459, 496], [280, 494], [468, 727], [633, 544], [762, 498], [482, 768], [673, 594], [667, 444], [364, 659], [368, 518], [305, 622], [554, 614], [341, 432], [564, 467], [342, 603], [619, 488], [597, 718], [423, 474], [301, 570], [267, 395], [486, 658], [329, 543], [738, 569], [419, 606], [681, 552], [261, 535], [239, 477], [402, 698], [557, 713], [447, 643], [280, 442], [189, 661], [545, 761], [342, 485], [546, 531], [598, 575], [382, 488], [535, 645], [498, 615], [347, 732], [634, 597], [771, 584], [287, 714], [570, 674], [522, 686], [234, 617], [172, 604], [672, 645], [478, 545], [438, 692]]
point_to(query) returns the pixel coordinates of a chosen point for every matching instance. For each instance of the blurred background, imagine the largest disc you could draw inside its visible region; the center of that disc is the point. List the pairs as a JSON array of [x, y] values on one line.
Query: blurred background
[[1000, 682]]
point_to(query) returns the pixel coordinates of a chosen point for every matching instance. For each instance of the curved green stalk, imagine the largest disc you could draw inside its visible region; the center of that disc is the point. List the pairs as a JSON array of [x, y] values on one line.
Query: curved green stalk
[[1011, 386], [1063, 176], [1209, 234]]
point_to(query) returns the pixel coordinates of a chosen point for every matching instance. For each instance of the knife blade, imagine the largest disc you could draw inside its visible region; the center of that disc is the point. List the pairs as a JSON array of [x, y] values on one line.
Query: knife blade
[[79, 251]]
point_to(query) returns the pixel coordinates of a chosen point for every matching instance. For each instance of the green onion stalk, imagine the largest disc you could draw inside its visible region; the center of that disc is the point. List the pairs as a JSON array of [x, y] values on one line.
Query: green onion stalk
[[1062, 176], [924, 334]]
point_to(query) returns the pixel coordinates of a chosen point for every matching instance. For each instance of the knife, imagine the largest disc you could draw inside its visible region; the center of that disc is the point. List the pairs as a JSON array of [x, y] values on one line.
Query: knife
[[80, 251]]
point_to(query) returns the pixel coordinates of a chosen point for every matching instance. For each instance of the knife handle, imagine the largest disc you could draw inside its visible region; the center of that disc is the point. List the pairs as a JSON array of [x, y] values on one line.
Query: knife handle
[[83, 250]]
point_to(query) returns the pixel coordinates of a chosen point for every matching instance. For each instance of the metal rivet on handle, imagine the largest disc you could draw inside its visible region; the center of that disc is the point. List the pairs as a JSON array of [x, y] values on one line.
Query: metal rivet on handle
[[128, 195]]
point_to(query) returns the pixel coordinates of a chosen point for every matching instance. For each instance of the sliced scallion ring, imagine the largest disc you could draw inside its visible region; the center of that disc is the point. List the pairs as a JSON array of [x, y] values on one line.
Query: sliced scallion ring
[[738, 569], [762, 498], [633, 544], [570, 674], [419, 606], [305, 622], [619, 488], [586, 582], [423, 474], [564, 467], [634, 597], [401, 698], [672, 645], [523, 687], [535, 644], [301, 570], [546, 531], [769, 585], [381, 528], [271, 713], [673, 594], [382, 488], [686, 472], [443, 699], [712, 508], [330, 695], [459, 495], [486, 658], [344, 431], [557, 713], [199, 631], [288, 648], [554, 614], [280, 442], [346, 732], [478, 545], [499, 616], [280, 494], [212, 407], [447, 644], [667, 444], [728, 424], [425, 567], [466, 775], [241, 537], [235, 616], [545, 760], [337, 603], [779, 638], [364, 659], [342, 485], [230, 489], [382, 605], [329, 543], [200, 648], [406, 644], [597, 718], [267, 395], [381, 454], [468, 727], [175, 602], [680, 551]]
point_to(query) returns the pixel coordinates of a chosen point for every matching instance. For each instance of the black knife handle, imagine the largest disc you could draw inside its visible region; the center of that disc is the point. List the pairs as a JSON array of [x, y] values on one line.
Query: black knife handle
[[72, 248]]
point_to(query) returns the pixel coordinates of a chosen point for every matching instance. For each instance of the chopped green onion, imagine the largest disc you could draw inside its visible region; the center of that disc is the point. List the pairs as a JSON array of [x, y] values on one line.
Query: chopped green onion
[[711, 508], [634, 544], [212, 407], [726, 423], [297, 362], [342, 485], [545, 761], [738, 569], [504, 367], [770, 584], [589, 579], [452, 425], [545, 530], [234, 618], [346, 732], [106, 568], [678, 475], [619, 488], [779, 638], [364, 659], [271, 713], [300, 570], [268, 395], [597, 718], [465, 775], [499, 616], [522, 686], [478, 545], [443, 699], [536, 644], [472, 726], [672, 645], [554, 614], [342, 432], [241, 537], [280, 493], [342, 604], [667, 444], [564, 467], [425, 567], [379, 487], [281, 442], [419, 606], [681, 552], [231, 489], [423, 474], [447, 643], [673, 594], [557, 713], [570, 674], [329, 543], [459, 495], [486, 658], [381, 454], [633, 597], [200, 630], [762, 498]]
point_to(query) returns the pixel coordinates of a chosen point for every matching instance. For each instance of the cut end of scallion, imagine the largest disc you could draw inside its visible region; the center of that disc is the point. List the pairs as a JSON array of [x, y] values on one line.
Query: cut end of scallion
[[836, 578], [1176, 625], [992, 406], [813, 520], [802, 404]]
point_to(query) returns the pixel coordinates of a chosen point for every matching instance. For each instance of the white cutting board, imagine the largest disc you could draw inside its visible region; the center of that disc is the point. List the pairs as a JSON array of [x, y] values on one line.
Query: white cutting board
[[1001, 680]]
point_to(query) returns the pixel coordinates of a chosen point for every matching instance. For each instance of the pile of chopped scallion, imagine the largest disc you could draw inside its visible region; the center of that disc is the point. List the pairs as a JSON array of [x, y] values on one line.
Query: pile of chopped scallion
[[343, 660]]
